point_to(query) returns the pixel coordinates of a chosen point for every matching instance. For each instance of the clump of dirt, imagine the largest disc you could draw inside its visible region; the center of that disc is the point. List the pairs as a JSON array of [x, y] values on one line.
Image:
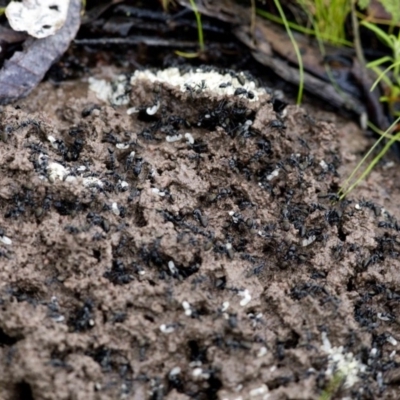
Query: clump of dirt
[[193, 247]]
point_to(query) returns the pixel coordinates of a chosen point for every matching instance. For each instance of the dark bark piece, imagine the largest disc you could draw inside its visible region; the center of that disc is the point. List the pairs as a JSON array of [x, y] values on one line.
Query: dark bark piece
[[325, 90], [20, 75]]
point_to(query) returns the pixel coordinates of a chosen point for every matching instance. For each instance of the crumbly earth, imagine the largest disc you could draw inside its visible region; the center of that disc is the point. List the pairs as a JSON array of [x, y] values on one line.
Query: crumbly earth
[[223, 267]]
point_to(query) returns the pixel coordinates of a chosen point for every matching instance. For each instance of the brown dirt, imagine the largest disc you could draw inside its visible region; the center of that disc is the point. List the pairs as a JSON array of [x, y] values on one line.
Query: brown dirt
[[263, 267]]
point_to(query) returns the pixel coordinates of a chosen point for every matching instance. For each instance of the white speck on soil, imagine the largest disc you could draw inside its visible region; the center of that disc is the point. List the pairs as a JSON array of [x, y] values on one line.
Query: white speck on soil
[[187, 308], [6, 240], [122, 146], [391, 340], [308, 241], [152, 110], [189, 138], [167, 328], [273, 175], [114, 208], [262, 352], [246, 297], [57, 171], [341, 363], [171, 267], [174, 138]]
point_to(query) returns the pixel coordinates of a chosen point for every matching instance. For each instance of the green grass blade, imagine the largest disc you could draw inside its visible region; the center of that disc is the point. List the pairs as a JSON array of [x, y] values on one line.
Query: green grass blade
[[199, 24], [301, 29], [296, 49], [382, 74], [372, 164], [343, 192], [383, 36], [379, 61]]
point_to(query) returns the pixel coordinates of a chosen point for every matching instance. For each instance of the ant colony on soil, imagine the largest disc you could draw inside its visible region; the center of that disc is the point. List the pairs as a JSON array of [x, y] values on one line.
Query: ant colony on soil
[[185, 241]]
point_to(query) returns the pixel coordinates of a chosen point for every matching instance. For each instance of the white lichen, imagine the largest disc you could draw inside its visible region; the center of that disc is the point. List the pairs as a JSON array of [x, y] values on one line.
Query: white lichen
[[38, 18]]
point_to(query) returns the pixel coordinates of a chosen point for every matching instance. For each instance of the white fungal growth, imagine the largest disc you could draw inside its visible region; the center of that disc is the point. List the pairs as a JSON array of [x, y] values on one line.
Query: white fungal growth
[[341, 363], [70, 178], [39, 18], [174, 138], [123, 184], [152, 110], [246, 297], [92, 181], [198, 81], [114, 92], [114, 208], [189, 138], [5, 240]]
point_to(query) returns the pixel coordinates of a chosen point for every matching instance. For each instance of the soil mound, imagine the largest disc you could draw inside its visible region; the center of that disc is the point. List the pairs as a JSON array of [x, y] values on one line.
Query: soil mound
[[192, 247]]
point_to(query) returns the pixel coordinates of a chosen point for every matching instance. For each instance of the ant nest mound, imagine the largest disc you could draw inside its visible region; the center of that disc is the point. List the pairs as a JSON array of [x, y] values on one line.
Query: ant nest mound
[[190, 238]]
